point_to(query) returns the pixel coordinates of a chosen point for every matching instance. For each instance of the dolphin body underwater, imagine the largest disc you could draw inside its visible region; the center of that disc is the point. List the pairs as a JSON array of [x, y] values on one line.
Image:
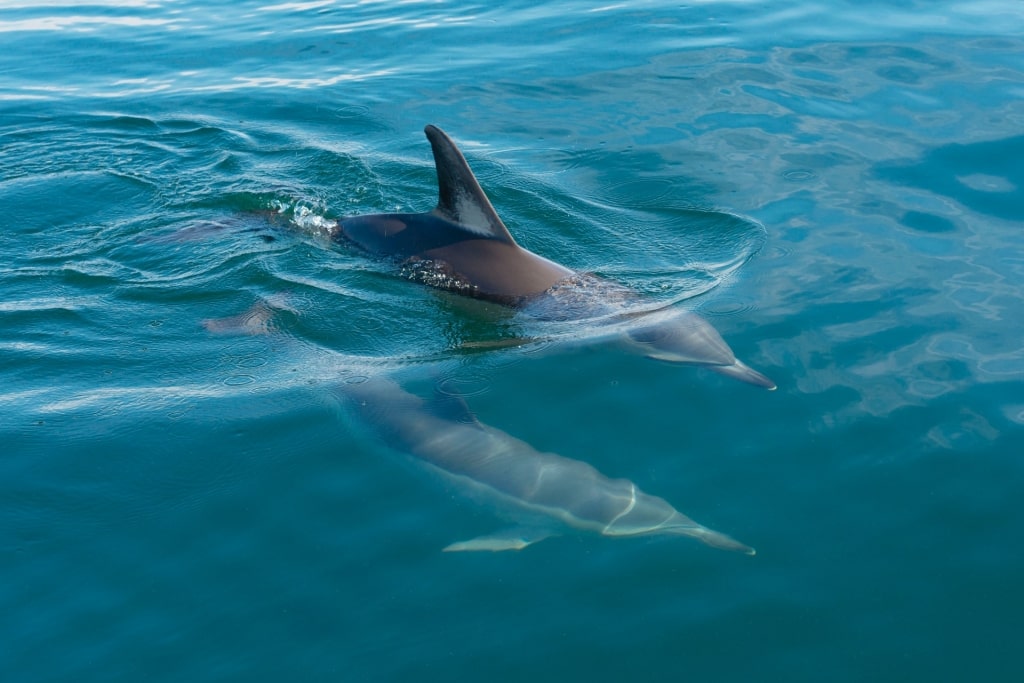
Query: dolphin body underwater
[[462, 246], [546, 494]]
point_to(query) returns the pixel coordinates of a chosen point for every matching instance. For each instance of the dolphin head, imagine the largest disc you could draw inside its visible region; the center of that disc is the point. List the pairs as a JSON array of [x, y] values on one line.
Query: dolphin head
[[649, 515], [686, 337]]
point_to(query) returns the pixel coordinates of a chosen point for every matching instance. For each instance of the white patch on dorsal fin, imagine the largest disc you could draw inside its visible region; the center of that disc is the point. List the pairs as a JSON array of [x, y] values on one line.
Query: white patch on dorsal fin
[[460, 197]]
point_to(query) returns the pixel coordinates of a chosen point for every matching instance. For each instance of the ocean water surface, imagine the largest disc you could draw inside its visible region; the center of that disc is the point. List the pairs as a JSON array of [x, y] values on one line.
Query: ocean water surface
[[836, 185]]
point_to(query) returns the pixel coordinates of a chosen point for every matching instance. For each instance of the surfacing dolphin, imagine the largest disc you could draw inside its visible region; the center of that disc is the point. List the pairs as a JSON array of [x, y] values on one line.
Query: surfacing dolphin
[[547, 494], [462, 246]]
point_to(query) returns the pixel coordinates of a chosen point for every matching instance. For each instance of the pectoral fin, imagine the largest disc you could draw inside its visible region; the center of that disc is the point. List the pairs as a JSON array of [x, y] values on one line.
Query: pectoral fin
[[489, 345], [257, 320], [509, 539]]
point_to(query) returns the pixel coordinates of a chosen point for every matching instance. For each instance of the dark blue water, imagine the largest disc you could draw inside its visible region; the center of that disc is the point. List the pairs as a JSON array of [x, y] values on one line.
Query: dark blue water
[[836, 186]]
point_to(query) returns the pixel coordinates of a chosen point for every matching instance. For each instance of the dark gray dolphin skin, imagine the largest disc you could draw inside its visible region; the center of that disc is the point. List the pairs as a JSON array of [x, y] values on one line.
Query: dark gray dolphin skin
[[544, 493], [462, 246]]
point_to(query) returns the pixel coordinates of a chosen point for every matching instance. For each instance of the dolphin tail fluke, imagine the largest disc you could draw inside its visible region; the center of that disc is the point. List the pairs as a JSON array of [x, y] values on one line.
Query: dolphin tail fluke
[[744, 373], [509, 539]]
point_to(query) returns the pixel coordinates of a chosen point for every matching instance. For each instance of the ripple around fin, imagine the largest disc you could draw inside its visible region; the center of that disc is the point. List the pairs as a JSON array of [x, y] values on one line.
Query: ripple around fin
[[127, 123]]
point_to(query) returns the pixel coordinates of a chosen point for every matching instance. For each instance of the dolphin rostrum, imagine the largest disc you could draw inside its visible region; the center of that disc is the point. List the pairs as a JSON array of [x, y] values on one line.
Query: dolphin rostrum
[[463, 246], [547, 494]]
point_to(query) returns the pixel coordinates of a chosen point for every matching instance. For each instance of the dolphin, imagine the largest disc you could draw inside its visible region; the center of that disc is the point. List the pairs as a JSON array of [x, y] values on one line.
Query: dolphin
[[547, 494], [463, 246]]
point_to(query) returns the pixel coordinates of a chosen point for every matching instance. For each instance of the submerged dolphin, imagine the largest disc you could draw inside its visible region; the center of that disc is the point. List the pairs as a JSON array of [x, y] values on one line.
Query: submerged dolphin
[[462, 246], [547, 493]]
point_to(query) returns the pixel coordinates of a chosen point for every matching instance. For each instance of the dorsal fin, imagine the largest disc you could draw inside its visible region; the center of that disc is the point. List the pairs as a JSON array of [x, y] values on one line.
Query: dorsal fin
[[460, 198], [451, 407]]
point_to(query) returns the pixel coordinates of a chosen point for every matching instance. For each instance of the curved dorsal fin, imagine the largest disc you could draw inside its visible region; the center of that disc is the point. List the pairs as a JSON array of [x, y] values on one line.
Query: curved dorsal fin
[[452, 408], [460, 198]]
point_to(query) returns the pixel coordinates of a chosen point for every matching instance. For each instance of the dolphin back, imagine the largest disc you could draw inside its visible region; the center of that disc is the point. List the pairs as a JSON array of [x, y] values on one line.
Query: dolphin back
[[462, 245]]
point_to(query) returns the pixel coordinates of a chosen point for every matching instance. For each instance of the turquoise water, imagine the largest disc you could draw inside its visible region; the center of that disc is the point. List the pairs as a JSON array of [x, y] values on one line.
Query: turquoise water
[[837, 186]]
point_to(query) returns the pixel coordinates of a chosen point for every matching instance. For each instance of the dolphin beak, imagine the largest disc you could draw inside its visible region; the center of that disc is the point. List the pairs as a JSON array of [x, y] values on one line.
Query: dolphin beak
[[744, 373], [737, 369], [721, 541]]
